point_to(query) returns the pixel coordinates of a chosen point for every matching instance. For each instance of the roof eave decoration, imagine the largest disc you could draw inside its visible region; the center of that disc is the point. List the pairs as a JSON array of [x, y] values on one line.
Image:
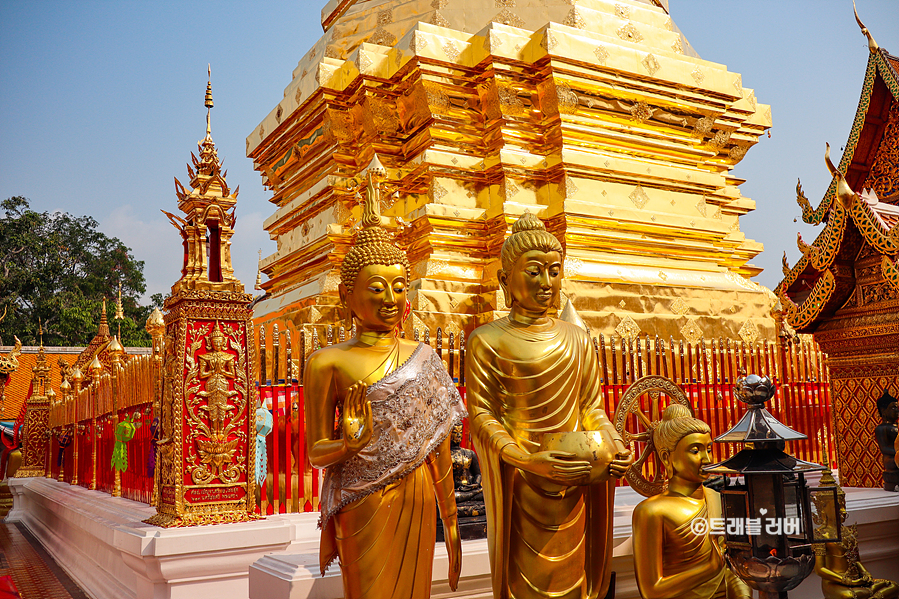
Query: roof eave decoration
[[877, 65], [801, 316], [819, 256], [838, 203]]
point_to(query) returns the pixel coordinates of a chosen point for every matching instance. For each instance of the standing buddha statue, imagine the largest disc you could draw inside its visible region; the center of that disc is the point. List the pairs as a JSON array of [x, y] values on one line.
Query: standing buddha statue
[[530, 377], [379, 410], [673, 556]]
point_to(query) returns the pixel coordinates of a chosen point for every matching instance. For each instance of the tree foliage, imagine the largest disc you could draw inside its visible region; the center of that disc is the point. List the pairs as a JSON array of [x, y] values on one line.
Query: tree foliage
[[58, 268]]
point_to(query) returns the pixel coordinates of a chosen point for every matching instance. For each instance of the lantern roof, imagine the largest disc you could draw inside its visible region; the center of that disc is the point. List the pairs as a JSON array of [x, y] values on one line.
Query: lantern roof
[[758, 425], [767, 460]]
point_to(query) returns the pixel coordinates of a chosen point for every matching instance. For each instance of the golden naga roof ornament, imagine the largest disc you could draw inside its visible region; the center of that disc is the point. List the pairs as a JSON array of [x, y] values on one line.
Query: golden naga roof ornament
[[804, 247], [801, 199], [844, 193], [786, 266], [872, 45], [10, 362]]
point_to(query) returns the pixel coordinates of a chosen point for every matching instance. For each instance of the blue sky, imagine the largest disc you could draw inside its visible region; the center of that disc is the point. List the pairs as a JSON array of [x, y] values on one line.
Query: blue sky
[[102, 103]]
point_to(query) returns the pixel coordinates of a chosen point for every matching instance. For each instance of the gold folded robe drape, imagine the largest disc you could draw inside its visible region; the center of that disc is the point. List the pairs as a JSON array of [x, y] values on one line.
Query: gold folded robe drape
[[523, 382], [682, 549], [378, 508]]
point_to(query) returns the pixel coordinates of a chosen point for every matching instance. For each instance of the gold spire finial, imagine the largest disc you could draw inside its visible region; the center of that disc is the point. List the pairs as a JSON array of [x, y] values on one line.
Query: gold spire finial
[[40, 330], [103, 330], [373, 245], [119, 310], [872, 45], [208, 102], [259, 272]]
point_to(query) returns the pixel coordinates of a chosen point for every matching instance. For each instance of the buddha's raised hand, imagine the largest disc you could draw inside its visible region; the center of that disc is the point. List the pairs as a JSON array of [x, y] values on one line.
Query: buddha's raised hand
[[357, 421]]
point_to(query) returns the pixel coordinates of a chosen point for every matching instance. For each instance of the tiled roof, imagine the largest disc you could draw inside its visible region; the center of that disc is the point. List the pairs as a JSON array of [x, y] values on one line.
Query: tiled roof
[[16, 391], [17, 387]]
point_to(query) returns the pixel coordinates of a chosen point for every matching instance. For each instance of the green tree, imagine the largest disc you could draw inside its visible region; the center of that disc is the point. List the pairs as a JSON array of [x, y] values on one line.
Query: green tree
[[58, 268]]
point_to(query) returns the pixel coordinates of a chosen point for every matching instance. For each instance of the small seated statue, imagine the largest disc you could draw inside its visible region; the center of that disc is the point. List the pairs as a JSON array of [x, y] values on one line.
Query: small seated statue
[[466, 477], [671, 557], [843, 576], [885, 434]]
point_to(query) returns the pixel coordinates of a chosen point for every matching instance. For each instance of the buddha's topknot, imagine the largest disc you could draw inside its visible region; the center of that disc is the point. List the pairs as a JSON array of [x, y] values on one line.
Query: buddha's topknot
[[373, 245], [528, 233], [677, 423]]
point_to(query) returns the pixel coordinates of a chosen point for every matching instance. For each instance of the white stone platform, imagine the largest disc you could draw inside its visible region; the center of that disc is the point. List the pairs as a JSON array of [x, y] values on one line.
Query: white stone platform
[[295, 574], [102, 544]]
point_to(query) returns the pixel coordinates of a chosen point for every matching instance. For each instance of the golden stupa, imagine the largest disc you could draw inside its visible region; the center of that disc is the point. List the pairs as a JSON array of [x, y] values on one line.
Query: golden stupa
[[596, 115]]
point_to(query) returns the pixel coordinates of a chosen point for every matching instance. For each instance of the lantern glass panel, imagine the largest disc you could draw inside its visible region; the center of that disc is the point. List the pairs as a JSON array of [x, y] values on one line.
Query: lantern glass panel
[[736, 510], [825, 517], [794, 517], [765, 493]]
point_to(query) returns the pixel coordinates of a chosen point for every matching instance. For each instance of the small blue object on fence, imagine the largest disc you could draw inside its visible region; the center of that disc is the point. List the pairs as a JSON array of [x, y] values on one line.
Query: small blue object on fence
[[263, 428]]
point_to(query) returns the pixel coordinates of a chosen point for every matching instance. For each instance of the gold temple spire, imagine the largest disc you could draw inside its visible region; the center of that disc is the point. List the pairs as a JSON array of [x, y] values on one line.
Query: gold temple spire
[[103, 330], [209, 204], [208, 103], [119, 311], [872, 45], [40, 330]]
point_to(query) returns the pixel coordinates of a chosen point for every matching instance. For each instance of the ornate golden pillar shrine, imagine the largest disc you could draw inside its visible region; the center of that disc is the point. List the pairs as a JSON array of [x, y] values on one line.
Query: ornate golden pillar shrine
[[207, 445], [597, 116], [37, 420]]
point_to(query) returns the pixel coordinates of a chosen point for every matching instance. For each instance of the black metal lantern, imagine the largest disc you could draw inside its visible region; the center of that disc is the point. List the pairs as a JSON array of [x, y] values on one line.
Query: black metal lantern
[[772, 517]]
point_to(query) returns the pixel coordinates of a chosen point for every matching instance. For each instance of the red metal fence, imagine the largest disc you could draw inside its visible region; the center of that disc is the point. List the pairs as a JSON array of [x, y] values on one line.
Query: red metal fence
[[86, 416], [705, 371]]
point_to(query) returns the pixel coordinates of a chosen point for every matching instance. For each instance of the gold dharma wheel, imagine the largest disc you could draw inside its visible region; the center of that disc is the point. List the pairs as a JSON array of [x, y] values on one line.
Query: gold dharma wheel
[[635, 419]]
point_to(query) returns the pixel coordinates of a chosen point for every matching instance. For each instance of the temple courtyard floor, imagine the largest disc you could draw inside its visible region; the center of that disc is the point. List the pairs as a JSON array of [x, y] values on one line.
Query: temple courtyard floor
[[33, 571]]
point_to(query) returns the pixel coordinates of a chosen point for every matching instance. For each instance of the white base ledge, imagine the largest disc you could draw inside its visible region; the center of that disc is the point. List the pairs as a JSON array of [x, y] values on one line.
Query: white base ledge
[[106, 549], [295, 574]]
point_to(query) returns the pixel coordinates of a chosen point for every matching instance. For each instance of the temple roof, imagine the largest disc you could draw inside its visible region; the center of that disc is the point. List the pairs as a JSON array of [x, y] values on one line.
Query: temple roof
[[17, 387], [860, 208]]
